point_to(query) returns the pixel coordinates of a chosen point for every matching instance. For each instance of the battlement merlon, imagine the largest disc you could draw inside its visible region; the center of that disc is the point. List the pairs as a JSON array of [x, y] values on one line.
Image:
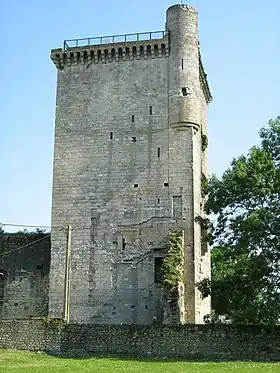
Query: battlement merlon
[[95, 51]]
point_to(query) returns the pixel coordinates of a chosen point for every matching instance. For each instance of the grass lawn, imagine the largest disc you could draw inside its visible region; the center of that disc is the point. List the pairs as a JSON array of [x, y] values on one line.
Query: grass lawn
[[25, 362]]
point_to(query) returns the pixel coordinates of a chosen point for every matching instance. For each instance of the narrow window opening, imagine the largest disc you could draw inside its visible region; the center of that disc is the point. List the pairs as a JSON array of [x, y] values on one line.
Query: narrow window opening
[[133, 139], [151, 110], [123, 244], [158, 152], [132, 306], [182, 62], [158, 275], [184, 91], [111, 135], [158, 201], [132, 118], [135, 185], [141, 51], [149, 50], [163, 49], [165, 184], [146, 306]]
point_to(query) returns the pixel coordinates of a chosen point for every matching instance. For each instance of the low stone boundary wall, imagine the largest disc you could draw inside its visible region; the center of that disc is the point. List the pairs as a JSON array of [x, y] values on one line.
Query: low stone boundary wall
[[213, 342]]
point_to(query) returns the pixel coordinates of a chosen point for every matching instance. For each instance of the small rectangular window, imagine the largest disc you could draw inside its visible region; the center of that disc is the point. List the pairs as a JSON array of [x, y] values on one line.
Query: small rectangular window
[[123, 244], [158, 275], [165, 184], [135, 185], [158, 152], [132, 118], [182, 62], [184, 91], [158, 201], [151, 110], [133, 139], [111, 135]]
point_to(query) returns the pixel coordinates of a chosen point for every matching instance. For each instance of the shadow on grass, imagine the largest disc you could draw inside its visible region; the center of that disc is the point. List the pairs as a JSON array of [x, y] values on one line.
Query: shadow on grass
[[163, 359]]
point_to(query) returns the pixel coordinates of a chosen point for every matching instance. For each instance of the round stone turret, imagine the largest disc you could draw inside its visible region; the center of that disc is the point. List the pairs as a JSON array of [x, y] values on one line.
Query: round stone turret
[[184, 84]]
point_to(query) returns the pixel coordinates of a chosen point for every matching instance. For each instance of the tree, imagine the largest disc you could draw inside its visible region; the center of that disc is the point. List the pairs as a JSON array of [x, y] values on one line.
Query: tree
[[246, 234]]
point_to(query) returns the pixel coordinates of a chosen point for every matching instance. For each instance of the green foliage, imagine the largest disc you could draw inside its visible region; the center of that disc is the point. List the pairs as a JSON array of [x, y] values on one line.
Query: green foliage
[[204, 142], [172, 265], [52, 321], [246, 253], [204, 185]]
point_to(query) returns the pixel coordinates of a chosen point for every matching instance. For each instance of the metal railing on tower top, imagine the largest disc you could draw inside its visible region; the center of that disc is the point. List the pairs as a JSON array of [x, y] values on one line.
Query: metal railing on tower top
[[125, 38]]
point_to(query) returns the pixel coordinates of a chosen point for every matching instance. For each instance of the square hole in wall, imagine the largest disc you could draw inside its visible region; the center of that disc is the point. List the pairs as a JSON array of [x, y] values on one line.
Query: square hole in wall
[[184, 91], [135, 185], [166, 184], [146, 307], [133, 139]]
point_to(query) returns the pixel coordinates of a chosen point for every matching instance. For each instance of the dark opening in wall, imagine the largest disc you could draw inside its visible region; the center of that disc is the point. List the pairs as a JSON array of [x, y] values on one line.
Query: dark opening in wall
[[184, 91], [113, 54], [158, 201], [151, 110], [149, 50], [106, 54], [182, 64], [133, 139], [127, 52], [156, 50], [99, 55], [158, 152], [132, 118], [158, 275], [135, 185], [146, 307], [163, 49], [166, 184], [132, 306], [123, 244], [120, 53], [111, 135], [141, 51], [134, 51]]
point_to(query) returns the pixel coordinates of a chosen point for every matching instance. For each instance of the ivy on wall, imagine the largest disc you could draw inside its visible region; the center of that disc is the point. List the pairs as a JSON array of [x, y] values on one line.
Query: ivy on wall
[[204, 142], [204, 185], [172, 266]]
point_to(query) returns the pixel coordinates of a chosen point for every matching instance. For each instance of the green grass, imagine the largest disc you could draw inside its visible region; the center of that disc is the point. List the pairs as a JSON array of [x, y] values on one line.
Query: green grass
[[25, 362]]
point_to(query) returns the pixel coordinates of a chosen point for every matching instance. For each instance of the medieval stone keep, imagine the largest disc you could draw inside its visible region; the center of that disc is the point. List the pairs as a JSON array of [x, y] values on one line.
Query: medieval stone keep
[[129, 161]]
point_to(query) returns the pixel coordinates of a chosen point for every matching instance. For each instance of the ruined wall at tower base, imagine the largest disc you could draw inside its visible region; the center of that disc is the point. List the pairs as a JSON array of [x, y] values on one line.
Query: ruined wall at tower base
[[188, 342]]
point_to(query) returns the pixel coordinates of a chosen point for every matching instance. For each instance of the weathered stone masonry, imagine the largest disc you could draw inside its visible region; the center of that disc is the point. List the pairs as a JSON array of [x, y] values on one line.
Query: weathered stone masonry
[[189, 341], [128, 162]]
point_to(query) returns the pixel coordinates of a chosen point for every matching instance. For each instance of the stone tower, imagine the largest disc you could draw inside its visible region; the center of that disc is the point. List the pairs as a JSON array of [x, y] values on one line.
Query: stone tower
[[130, 156]]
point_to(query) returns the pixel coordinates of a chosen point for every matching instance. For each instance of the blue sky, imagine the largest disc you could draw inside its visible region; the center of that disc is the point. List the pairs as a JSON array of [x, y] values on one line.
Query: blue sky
[[240, 42]]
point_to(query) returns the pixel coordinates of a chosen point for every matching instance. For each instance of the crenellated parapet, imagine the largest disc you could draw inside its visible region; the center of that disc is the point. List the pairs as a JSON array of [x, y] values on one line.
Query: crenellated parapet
[[113, 52]]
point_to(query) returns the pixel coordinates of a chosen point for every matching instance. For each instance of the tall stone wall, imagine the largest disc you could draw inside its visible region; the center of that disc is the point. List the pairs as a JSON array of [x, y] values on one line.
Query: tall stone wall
[[24, 275], [187, 342], [127, 167]]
